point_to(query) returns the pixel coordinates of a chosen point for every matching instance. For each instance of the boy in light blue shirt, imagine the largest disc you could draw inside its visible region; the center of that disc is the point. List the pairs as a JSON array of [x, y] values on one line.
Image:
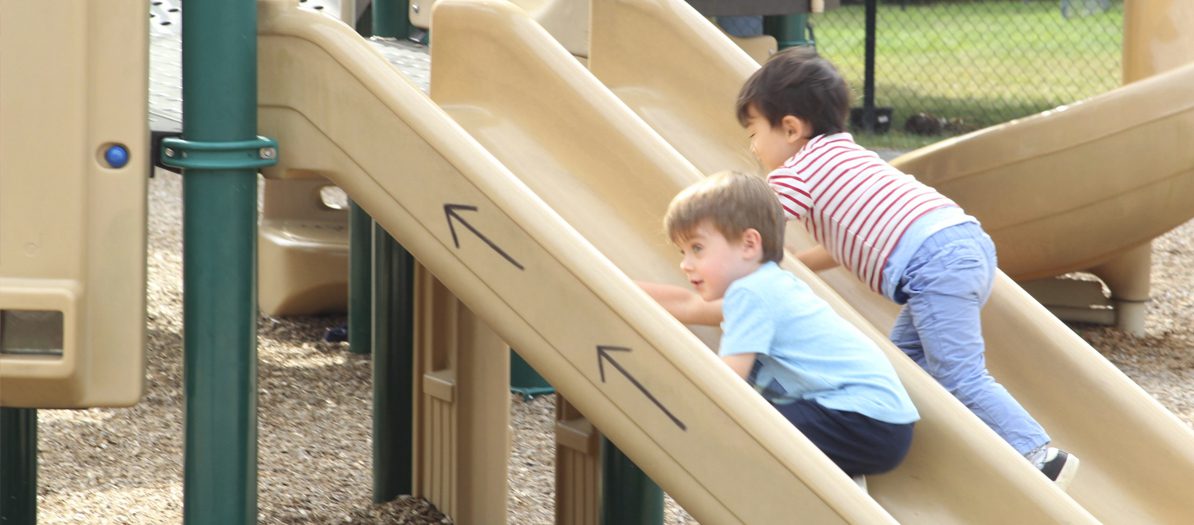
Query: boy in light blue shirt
[[814, 367]]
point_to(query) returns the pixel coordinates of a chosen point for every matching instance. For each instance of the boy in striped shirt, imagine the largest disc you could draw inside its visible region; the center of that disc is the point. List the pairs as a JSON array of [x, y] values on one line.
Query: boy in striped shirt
[[902, 238]]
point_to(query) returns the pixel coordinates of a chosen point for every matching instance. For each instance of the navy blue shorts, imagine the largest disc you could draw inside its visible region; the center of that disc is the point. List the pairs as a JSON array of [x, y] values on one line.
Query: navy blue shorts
[[856, 443]]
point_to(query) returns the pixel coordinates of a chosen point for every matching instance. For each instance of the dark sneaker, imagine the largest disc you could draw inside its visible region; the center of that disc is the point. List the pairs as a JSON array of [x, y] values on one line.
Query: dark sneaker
[[1060, 467]]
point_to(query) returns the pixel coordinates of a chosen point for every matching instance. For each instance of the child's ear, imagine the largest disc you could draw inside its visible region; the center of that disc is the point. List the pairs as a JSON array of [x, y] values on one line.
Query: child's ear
[[794, 128], [752, 244]]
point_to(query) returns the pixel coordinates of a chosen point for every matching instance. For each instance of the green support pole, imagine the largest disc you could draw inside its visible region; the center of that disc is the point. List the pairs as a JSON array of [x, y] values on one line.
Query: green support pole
[[391, 18], [628, 496], [393, 361], [220, 152], [393, 327], [360, 280], [788, 30], [18, 466]]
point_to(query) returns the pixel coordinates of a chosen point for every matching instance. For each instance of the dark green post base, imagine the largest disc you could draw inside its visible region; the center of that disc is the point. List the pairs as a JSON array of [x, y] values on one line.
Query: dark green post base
[[18, 466], [628, 496], [393, 362], [360, 280]]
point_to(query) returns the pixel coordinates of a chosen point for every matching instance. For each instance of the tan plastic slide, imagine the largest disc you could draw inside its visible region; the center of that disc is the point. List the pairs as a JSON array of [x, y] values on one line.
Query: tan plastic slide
[[1137, 458], [539, 215], [1072, 188]]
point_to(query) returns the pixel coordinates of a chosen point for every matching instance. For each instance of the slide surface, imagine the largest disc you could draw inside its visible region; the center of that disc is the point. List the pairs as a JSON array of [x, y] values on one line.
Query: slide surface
[[347, 114], [535, 195], [1073, 187], [1087, 405]]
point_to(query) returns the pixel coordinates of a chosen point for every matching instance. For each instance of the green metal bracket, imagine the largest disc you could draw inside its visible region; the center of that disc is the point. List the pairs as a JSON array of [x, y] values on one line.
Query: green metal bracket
[[242, 154]]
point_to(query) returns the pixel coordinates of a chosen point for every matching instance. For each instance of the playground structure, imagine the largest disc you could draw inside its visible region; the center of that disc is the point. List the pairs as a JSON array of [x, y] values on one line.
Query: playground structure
[[498, 190]]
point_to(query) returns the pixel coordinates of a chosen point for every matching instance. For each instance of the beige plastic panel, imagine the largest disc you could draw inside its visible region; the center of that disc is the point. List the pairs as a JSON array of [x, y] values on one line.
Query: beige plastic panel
[[403, 159], [1157, 37], [462, 407], [578, 467], [1095, 411], [302, 249], [566, 20], [72, 229], [759, 48], [633, 37]]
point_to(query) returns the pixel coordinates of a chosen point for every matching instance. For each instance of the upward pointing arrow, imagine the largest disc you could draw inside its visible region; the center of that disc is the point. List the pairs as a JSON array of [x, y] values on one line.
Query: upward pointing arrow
[[603, 355], [450, 211]]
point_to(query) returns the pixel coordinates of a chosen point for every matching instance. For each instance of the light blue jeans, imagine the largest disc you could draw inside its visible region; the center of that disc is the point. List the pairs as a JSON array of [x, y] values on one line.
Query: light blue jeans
[[943, 289]]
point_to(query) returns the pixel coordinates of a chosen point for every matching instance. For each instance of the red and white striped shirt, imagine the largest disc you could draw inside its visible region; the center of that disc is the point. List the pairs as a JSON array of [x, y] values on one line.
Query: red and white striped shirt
[[852, 202]]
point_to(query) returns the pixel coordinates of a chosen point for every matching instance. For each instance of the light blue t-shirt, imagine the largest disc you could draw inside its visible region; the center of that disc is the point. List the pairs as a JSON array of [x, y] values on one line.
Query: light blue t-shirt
[[806, 351]]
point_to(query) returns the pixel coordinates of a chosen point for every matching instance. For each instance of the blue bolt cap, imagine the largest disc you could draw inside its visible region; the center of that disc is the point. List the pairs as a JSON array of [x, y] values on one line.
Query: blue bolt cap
[[117, 156]]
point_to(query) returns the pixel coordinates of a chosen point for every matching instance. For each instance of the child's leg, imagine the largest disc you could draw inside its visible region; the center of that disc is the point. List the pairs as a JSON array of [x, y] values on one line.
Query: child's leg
[[940, 328], [857, 444], [904, 335]]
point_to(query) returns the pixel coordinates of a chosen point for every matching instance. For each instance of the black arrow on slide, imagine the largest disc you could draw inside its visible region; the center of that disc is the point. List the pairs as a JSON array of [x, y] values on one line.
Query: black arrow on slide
[[603, 355], [450, 211]]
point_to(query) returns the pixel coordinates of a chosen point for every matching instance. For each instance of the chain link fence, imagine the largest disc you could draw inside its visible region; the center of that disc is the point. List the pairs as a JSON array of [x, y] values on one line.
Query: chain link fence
[[946, 67]]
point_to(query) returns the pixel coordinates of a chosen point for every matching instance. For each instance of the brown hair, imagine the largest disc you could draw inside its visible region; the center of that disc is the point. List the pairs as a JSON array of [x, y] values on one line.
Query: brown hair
[[797, 82], [733, 202]]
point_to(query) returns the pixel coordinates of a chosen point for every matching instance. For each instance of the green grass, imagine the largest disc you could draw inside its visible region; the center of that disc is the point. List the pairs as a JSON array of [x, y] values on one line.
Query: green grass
[[980, 62]]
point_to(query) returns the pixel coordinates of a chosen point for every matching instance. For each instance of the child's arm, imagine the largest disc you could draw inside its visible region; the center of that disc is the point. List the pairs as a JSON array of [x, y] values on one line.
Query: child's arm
[[740, 363], [817, 259], [684, 304]]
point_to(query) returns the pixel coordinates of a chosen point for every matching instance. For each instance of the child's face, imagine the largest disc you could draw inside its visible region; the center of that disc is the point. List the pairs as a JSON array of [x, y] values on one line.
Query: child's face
[[773, 145], [711, 262]]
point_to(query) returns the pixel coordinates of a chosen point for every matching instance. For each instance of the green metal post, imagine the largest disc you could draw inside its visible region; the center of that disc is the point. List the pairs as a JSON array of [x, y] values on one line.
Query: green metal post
[[219, 61], [393, 361], [393, 327], [360, 280], [391, 18], [18, 466], [788, 30], [628, 496]]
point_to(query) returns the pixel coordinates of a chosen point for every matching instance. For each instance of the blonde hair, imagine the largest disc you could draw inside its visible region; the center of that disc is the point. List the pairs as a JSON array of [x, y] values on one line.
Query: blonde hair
[[732, 202]]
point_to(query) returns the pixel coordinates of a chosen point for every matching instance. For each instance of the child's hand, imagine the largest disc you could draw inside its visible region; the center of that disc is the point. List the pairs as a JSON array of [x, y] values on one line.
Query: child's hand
[[684, 304]]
